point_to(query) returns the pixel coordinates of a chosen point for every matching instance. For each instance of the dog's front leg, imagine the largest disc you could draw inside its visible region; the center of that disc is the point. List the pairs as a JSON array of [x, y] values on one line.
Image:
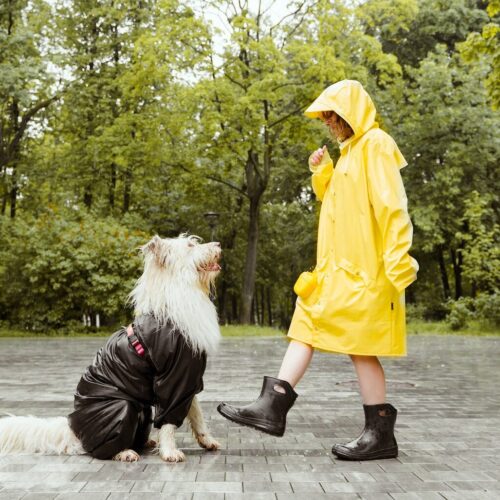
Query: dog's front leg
[[200, 431], [167, 448]]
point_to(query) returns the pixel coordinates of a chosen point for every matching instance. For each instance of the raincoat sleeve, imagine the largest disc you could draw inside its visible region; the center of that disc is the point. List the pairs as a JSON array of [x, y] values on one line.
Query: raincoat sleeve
[[176, 387], [389, 202], [322, 174]]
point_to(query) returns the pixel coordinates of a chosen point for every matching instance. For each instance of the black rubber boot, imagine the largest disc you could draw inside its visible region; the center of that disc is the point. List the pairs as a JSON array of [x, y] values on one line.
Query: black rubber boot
[[268, 412], [377, 439]]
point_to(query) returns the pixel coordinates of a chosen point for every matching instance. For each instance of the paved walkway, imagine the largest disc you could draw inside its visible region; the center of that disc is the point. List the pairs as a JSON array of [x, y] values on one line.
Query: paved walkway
[[447, 391]]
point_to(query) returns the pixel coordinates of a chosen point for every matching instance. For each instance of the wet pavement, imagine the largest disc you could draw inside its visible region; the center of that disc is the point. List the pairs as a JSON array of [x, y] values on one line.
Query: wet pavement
[[448, 429]]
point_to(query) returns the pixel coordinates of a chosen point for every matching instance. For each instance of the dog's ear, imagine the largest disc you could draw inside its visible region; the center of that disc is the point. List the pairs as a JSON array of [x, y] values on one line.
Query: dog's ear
[[152, 245], [158, 248]]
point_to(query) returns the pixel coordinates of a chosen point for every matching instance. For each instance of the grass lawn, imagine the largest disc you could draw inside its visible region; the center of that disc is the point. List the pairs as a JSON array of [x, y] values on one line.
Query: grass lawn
[[227, 331], [474, 328], [415, 327]]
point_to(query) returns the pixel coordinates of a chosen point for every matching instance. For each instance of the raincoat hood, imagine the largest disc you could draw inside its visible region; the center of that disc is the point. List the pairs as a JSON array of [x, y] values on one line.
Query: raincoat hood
[[349, 100]]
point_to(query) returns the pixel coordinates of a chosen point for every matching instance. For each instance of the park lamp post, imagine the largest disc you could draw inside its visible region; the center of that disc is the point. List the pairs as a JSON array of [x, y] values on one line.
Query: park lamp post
[[212, 219]]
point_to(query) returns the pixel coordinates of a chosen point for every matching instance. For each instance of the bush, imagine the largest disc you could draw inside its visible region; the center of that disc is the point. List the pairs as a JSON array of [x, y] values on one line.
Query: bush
[[415, 312], [460, 313], [57, 268], [435, 310], [484, 308], [488, 308]]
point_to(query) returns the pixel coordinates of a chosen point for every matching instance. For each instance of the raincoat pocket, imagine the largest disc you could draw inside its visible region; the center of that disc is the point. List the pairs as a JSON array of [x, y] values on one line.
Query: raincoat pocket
[[305, 284], [357, 274]]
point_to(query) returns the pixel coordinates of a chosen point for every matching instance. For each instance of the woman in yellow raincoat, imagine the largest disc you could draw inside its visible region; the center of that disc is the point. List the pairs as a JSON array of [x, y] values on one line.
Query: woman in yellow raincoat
[[353, 302]]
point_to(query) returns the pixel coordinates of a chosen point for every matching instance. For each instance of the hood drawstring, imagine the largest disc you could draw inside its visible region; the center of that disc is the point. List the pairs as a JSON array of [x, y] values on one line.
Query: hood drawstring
[[345, 166]]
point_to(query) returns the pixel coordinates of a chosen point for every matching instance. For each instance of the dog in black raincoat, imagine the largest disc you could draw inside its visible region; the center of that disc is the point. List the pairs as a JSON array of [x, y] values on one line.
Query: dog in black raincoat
[[157, 361]]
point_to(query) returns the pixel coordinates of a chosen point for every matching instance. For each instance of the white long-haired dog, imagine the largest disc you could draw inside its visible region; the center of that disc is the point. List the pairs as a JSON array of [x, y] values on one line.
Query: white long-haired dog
[[173, 312]]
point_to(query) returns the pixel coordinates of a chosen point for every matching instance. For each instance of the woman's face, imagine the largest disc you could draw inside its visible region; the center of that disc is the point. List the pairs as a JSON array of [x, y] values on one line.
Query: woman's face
[[330, 118], [336, 125]]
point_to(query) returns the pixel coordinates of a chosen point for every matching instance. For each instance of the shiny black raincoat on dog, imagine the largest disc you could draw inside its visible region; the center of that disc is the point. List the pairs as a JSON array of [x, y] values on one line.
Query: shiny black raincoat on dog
[[114, 397]]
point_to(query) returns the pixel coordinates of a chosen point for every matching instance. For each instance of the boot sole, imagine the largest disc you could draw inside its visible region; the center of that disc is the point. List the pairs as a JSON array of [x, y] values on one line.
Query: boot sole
[[248, 422], [374, 455]]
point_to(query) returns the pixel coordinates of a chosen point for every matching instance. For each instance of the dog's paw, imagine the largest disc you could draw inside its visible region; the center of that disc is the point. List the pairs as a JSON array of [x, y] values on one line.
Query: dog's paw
[[126, 456], [208, 442], [151, 443], [172, 455]]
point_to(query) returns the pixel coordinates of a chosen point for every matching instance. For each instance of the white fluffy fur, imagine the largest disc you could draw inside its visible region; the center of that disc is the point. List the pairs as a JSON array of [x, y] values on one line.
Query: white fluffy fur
[[175, 286], [38, 435]]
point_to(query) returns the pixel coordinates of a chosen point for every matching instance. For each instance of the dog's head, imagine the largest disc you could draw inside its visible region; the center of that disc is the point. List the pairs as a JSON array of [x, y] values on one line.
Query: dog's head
[[184, 258]]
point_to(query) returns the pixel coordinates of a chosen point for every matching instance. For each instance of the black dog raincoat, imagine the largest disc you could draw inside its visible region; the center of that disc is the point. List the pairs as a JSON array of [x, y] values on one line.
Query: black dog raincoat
[[114, 397]]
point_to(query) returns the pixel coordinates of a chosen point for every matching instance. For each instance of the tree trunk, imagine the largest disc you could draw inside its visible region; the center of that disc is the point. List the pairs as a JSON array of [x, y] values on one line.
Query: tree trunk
[[126, 190], [127, 181], [250, 262], [234, 307], [87, 196], [223, 302], [112, 186], [456, 257], [444, 274], [256, 180], [15, 156], [5, 194], [262, 305], [13, 192], [269, 307]]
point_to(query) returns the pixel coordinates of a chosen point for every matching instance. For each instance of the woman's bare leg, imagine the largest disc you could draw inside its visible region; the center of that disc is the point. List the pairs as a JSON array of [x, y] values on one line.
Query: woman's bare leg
[[371, 379], [295, 362]]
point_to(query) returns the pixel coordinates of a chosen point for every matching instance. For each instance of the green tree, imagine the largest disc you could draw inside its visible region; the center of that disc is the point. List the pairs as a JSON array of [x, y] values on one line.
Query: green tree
[[26, 86], [486, 45], [267, 75], [449, 131]]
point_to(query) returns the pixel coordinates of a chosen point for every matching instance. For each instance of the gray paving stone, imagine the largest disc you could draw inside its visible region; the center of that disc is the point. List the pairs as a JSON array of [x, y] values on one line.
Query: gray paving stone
[[250, 496], [83, 496], [322, 496], [474, 485], [424, 486], [209, 496], [211, 476], [203, 487], [448, 428], [375, 496], [308, 487], [43, 487], [361, 487], [39, 496], [111, 486], [12, 494], [262, 486], [157, 496], [430, 495], [248, 476], [471, 495], [308, 477], [148, 486]]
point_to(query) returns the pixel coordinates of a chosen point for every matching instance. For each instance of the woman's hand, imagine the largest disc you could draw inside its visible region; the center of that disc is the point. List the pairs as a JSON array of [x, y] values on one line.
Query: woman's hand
[[317, 156]]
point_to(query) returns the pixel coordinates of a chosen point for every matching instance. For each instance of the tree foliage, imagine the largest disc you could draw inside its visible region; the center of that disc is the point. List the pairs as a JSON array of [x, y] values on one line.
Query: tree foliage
[[121, 119]]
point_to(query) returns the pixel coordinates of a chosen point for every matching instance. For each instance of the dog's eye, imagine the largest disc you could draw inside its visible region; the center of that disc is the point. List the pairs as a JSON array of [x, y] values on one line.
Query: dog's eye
[[190, 244]]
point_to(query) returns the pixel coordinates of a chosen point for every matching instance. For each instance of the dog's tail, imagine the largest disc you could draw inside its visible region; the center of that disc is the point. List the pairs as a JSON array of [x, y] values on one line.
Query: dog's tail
[[27, 435]]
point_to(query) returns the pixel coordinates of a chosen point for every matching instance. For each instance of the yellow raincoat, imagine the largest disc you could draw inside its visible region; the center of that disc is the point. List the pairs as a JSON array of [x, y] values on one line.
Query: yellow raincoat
[[363, 265]]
